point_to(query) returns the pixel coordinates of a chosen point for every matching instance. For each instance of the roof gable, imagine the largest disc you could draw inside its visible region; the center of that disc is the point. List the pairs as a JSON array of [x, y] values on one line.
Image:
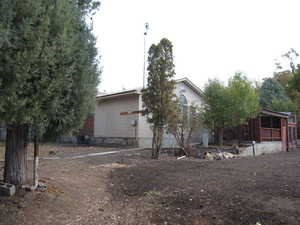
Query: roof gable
[[138, 91], [191, 85]]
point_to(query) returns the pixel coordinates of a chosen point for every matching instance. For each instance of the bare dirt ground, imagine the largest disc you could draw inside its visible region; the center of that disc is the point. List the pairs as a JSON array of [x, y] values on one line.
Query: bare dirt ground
[[129, 189], [62, 150]]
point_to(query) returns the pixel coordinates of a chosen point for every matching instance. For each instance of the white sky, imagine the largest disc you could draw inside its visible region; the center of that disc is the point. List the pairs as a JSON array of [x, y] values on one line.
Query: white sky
[[211, 38]]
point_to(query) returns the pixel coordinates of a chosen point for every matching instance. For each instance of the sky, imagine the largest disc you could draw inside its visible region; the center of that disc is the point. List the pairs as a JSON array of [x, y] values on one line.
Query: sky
[[211, 38]]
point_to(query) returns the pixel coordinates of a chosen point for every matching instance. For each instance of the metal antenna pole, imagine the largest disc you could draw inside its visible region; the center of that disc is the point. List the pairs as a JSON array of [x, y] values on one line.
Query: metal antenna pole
[[144, 70]]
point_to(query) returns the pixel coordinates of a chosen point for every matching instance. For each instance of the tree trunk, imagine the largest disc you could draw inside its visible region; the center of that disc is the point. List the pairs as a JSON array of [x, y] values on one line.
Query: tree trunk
[[220, 136], [36, 161], [216, 136], [153, 156], [157, 141], [239, 134], [15, 155]]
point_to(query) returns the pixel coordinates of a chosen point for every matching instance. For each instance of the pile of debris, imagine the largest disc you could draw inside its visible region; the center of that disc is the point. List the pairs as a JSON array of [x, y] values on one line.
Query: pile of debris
[[218, 155]]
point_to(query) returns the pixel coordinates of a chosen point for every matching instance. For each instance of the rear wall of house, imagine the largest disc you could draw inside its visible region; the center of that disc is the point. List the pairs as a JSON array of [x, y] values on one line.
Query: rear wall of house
[[109, 121]]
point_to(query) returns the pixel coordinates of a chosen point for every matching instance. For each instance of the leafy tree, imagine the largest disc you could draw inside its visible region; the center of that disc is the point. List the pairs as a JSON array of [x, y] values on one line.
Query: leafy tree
[[215, 105], [284, 78], [183, 123], [48, 73], [294, 90], [158, 95], [274, 97], [292, 57], [227, 106], [292, 77], [243, 100], [295, 80], [257, 86], [282, 106]]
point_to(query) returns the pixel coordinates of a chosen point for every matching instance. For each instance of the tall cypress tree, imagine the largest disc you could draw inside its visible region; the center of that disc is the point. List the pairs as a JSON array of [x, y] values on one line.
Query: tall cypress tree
[[48, 72], [158, 95]]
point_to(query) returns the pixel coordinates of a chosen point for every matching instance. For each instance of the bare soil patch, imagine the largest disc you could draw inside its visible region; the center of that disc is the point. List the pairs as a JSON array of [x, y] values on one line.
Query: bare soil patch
[[128, 188], [63, 150]]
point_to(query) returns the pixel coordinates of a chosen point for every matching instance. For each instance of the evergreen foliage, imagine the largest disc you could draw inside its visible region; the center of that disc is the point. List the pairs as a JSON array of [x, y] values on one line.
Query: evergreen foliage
[[48, 73], [273, 96], [48, 64], [158, 95]]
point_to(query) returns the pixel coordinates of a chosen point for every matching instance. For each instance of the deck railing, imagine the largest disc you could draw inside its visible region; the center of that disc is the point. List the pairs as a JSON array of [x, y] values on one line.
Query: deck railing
[[270, 134]]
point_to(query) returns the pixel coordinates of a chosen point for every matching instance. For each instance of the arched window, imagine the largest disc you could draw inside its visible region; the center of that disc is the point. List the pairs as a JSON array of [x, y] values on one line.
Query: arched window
[[182, 99], [183, 104]]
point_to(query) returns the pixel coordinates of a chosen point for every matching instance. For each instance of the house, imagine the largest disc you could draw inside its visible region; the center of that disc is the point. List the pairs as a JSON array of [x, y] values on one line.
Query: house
[[119, 119], [271, 131]]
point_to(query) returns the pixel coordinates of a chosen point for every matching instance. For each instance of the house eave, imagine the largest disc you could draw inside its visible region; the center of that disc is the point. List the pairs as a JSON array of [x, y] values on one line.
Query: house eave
[[191, 85], [273, 113], [118, 94], [138, 91]]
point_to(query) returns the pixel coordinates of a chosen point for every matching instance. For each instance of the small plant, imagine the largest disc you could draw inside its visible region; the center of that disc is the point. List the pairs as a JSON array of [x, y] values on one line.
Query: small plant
[[258, 223], [152, 194]]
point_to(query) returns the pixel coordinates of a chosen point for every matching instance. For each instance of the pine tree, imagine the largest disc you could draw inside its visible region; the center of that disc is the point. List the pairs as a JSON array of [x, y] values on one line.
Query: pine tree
[[273, 96], [158, 95], [48, 72]]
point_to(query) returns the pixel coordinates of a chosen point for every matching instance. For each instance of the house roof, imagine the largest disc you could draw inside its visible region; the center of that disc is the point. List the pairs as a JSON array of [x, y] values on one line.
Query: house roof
[[138, 91], [288, 113], [119, 94], [273, 113], [191, 85]]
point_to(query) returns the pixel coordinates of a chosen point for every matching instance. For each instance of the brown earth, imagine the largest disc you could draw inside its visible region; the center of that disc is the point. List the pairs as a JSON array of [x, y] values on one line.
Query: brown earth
[[129, 189], [62, 150]]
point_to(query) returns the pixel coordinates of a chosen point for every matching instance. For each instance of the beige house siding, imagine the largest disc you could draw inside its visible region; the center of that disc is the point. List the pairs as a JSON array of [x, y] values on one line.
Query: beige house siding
[[109, 122], [144, 131], [144, 127], [112, 127], [192, 97]]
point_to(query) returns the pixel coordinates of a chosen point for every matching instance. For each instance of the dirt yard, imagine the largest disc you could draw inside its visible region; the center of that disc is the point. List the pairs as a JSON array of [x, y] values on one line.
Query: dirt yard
[[129, 188]]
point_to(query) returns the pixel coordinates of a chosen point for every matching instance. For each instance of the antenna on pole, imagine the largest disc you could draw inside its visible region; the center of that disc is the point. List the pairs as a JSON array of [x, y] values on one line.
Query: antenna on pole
[[144, 70]]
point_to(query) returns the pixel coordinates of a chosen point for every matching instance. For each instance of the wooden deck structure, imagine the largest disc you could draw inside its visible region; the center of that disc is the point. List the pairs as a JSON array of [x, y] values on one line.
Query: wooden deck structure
[[267, 126], [292, 130]]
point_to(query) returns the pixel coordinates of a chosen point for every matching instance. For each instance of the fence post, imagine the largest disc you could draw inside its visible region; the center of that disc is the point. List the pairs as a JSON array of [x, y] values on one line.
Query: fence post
[[253, 143]]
